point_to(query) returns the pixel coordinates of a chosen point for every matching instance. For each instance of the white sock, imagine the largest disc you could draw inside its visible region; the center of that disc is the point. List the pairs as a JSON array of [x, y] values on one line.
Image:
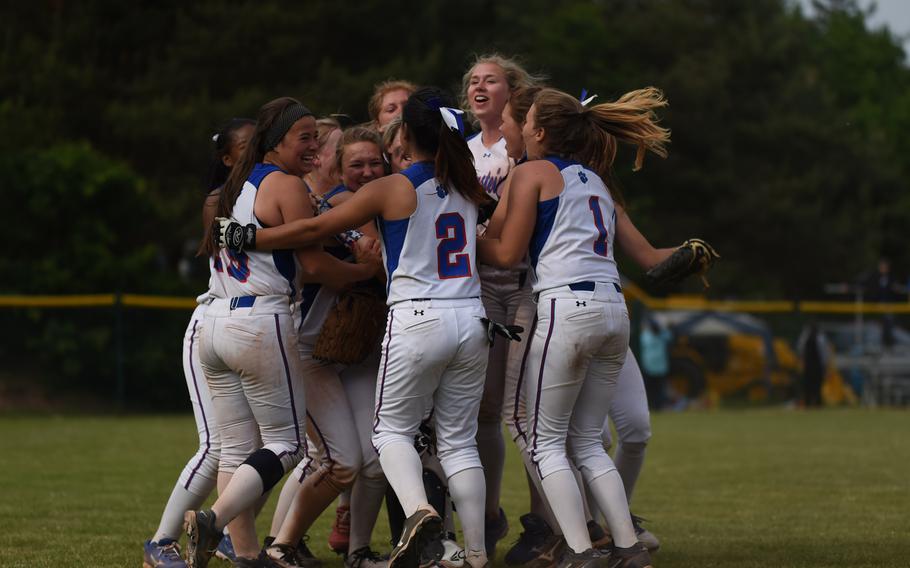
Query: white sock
[[244, 489], [629, 458], [366, 501], [285, 498], [402, 468], [344, 500], [562, 493], [180, 501], [468, 494], [492, 450], [611, 499]]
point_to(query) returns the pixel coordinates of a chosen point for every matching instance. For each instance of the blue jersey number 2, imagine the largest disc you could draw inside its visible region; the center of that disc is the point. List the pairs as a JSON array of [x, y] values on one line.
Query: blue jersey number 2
[[601, 243], [451, 261]]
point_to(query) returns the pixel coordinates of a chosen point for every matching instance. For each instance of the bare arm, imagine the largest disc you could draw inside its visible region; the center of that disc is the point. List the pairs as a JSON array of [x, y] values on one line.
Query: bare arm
[[364, 206], [284, 200], [494, 227], [510, 247], [634, 244]]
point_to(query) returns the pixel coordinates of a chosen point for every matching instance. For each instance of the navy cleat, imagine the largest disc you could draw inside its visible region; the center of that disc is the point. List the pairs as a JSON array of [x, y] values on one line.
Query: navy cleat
[[162, 554]]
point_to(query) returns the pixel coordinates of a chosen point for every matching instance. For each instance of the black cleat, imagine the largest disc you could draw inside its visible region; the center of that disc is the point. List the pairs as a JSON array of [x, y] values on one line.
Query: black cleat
[[202, 537], [420, 544]]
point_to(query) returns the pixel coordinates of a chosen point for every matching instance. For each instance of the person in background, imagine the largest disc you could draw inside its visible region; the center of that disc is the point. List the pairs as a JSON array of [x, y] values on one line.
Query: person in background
[[655, 360], [813, 354], [387, 101]]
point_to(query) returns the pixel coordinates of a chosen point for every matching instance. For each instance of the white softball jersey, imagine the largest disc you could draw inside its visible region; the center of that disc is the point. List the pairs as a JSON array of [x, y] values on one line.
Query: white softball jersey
[[253, 273], [573, 237], [492, 164], [431, 254]]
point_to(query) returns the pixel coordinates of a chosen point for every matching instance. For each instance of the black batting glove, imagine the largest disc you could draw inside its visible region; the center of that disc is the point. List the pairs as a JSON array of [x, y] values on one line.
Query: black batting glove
[[510, 332], [234, 236]]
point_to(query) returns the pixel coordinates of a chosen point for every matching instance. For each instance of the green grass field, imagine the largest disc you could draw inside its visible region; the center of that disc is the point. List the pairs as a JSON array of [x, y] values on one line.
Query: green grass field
[[762, 488]]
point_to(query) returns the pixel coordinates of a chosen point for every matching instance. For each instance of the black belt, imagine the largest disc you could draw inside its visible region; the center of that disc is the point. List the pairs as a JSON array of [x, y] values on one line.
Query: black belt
[[589, 285]]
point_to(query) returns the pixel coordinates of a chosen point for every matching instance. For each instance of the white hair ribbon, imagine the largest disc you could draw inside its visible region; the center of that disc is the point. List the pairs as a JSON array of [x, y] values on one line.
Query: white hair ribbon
[[453, 118], [585, 102]]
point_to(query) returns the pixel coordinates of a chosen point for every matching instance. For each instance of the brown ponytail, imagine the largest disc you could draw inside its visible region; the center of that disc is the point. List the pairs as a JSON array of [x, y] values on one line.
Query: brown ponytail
[[255, 152], [590, 135]]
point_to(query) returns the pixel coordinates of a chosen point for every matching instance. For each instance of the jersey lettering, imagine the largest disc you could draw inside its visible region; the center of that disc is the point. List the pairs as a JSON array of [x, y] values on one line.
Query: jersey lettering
[[601, 243], [451, 261], [239, 269]]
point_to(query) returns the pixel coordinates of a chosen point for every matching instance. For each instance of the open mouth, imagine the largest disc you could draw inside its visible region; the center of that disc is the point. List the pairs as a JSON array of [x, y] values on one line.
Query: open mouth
[[479, 99]]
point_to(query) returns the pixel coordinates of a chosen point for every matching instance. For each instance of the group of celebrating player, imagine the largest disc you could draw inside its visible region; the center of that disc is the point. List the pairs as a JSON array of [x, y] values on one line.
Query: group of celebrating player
[[468, 242]]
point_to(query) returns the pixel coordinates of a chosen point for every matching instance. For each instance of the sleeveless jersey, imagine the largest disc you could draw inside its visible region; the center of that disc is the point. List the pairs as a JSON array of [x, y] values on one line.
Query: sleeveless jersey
[[492, 164], [431, 254], [573, 237], [253, 273]]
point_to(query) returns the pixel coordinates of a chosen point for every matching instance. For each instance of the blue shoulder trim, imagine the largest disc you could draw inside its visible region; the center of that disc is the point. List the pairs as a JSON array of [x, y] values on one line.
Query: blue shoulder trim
[[335, 191], [259, 172], [546, 215], [560, 163], [472, 136], [418, 173]]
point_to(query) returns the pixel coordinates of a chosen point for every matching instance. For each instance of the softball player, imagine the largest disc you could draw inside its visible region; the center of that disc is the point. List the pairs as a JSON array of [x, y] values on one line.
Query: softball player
[[561, 212], [198, 477], [434, 348], [338, 398], [629, 408], [486, 88], [248, 340]]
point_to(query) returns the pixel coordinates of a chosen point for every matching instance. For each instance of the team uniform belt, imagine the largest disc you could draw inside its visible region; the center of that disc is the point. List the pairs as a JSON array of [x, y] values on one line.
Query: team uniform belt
[[251, 305], [437, 302], [590, 286]]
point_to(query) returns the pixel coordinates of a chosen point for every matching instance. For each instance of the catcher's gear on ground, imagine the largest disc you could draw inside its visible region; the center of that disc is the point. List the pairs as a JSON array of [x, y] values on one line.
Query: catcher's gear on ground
[[510, 332], [353, 327], [232, 235], [691, 257]]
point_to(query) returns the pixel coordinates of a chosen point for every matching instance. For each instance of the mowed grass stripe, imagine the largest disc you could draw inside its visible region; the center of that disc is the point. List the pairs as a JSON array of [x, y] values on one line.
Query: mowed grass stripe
[[729, 488]]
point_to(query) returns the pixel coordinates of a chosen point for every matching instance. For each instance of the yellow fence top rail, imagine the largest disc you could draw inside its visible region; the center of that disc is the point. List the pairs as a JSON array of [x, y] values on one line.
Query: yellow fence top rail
[[631, 291]]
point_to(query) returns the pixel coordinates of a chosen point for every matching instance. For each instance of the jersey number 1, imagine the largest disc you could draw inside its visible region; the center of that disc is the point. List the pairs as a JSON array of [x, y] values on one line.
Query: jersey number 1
[[601, 243], [451, 261]]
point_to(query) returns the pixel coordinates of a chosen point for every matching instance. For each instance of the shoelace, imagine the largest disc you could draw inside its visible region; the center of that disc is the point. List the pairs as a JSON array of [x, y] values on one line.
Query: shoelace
[[170, 552]]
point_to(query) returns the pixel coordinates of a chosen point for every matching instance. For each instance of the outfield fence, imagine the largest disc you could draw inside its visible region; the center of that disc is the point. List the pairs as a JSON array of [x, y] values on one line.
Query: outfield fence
[[127, 346]]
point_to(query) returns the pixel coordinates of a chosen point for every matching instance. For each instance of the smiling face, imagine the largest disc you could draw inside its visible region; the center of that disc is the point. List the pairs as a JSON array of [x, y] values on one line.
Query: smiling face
[[511, 131], [297, 150], [361, 162], [391, 106], [488, 92]]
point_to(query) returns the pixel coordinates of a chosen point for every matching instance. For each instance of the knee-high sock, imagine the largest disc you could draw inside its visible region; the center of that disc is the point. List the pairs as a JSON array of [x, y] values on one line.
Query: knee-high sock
[[178, 503], [344, 500], [492, 450], [238, 493], [467, 490], [629, 458], [611, 500], [404, 471], [565, 499], [285, 498], [543, 507], [366, 500]]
